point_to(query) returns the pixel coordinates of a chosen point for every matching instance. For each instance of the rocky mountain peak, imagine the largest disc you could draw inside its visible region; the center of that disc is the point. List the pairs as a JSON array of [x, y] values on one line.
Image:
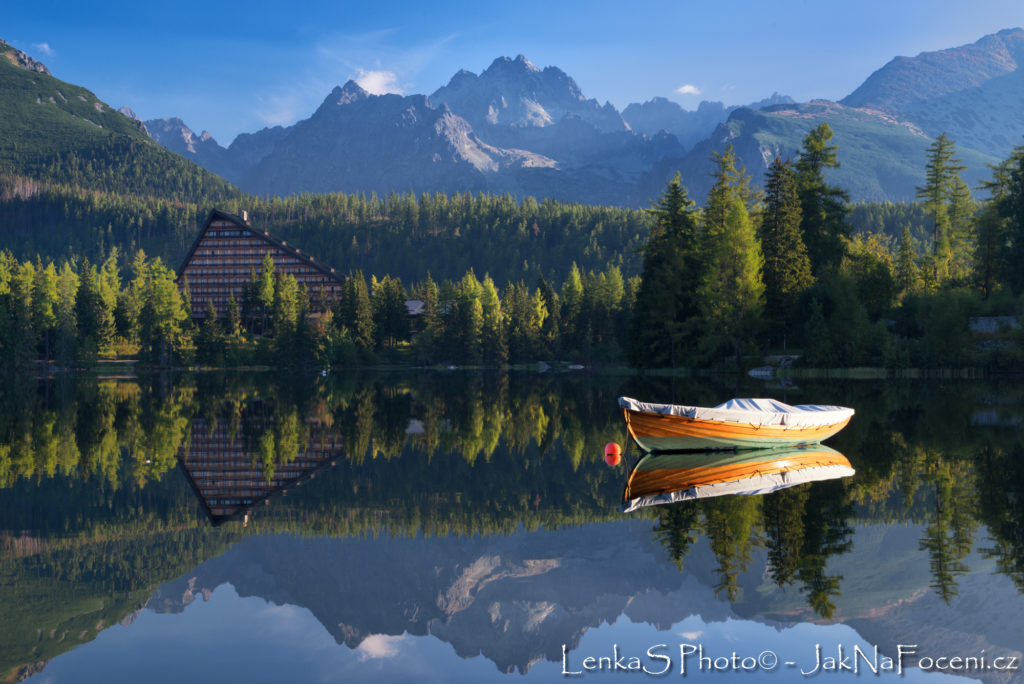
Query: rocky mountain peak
[[341, 96], [506, 64], [515, 93], [20, 59], [130, 113]]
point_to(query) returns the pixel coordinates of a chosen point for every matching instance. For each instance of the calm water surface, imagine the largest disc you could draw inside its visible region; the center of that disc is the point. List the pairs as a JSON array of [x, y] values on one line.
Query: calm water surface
[[464, 527]]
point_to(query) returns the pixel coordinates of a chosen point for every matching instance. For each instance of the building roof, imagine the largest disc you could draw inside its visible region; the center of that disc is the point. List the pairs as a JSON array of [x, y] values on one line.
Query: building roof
[[241, 222]]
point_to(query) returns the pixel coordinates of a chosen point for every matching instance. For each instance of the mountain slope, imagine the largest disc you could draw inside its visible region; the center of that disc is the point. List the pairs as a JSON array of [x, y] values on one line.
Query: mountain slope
[[689, 127], [880, 158], [55, 131], [358, 141], [173, 134], [973, 93]]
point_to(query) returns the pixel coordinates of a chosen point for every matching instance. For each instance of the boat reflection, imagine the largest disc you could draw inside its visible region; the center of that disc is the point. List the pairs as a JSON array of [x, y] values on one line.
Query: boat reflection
[[670, 477]]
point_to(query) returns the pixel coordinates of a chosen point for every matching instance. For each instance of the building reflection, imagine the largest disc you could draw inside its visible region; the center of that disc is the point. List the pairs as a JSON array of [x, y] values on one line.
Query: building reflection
[[231, 473]]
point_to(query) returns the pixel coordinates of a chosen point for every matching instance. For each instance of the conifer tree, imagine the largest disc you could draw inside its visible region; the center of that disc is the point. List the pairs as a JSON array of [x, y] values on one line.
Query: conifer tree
[[210, 340], [947, 201], [732, 291], [787, 268], [44, 305], [494, 346], [571, 306], [431, 327], [822, 206], [355, 312], [263, 290], [22, 333], [1007, 191], [65, 347], [908, 277], [666, 309], [390, 314], [234, 319], [466, 321]]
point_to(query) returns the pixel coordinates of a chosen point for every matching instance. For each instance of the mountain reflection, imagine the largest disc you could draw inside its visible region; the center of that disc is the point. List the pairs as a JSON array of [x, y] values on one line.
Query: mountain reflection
[[108, 489]]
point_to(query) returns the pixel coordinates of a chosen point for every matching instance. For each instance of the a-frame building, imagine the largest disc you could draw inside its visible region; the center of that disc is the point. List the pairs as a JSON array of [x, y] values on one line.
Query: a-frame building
[[226, 251]]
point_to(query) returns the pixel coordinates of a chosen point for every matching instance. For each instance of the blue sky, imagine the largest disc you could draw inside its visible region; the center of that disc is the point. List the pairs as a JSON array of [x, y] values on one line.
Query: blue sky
[[234, 68]]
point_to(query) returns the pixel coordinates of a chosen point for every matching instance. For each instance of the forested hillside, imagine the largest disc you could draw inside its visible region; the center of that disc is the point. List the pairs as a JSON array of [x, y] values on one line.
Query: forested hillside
[[399, 235], [58, 132]]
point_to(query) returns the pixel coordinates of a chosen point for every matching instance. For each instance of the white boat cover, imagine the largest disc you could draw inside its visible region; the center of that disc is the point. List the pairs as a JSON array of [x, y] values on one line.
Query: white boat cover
[[750, 411]]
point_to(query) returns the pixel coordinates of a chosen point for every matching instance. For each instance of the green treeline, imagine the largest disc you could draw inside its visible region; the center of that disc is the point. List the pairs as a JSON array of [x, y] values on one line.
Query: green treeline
[[784, 272], [78, 312], [403, 236]]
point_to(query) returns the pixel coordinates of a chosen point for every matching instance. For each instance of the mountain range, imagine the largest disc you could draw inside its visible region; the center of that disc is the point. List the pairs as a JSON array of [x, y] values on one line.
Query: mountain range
[[516, 599], [517, 128]]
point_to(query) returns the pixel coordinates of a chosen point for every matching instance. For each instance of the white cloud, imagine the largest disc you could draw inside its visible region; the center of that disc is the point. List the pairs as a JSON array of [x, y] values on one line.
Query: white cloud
[[44, 48], [378, 81], [688, 89], [379, 646]]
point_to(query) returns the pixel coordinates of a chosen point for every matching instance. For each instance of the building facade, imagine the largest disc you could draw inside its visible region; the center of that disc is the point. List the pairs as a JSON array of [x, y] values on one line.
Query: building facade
[[220, 263]]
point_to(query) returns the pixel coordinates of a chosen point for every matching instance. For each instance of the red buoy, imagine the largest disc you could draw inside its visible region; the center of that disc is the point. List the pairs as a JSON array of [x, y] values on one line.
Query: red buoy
[[612, 454]]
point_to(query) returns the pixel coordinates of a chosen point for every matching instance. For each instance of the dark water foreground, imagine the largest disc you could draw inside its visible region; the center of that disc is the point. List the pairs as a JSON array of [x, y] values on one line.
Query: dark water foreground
[[464, 527]]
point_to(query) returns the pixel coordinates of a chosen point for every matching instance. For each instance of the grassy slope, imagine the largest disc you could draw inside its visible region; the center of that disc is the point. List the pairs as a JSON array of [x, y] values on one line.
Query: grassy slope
[[54, 131]]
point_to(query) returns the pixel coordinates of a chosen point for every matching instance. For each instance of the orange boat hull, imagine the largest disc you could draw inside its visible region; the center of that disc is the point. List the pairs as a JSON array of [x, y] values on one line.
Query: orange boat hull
[[659, 432], [692, 474]]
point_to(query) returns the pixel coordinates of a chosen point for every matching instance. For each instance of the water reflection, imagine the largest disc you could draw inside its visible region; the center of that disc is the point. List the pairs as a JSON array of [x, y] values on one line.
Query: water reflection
[[477, 509], [664, 478], [232, 471]]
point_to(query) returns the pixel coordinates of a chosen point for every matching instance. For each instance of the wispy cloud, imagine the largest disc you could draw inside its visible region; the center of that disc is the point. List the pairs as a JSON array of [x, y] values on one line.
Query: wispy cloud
[[379, 81], [379, 646], [44, 48], [688, 89], [282, 109]]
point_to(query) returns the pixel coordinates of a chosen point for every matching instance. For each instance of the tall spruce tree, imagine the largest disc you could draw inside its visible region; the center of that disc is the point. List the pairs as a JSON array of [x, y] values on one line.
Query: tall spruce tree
[[354, 311], [822, 206], [667, 310], [908, 275], [947, 201], [732, 291], [787, 268], [1007, 191]]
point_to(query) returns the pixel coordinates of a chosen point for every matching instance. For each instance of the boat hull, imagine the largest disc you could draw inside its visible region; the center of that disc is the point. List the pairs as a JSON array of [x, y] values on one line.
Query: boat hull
[[655, 432], [668, 478]]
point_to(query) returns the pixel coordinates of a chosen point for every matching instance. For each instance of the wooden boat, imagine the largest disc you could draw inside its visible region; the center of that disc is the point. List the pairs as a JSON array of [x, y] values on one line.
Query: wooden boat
[[667, 478], [736, 424]]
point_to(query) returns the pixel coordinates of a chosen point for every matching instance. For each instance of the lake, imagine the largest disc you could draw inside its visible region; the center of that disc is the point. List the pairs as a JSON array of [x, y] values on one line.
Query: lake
[[463, 527]]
